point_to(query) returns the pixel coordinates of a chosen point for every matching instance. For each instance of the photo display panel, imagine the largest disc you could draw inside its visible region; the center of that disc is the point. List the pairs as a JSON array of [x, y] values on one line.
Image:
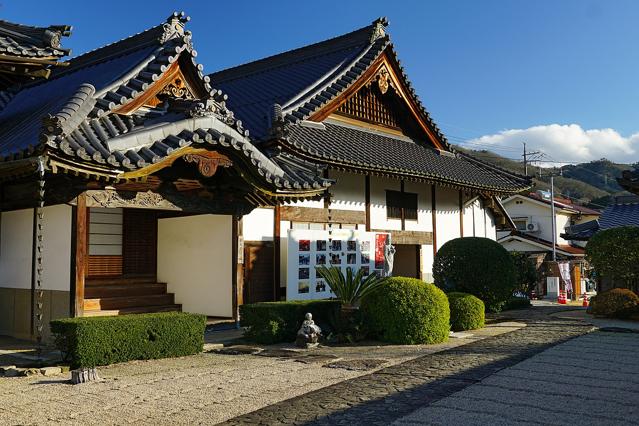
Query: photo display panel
[[343, 248]]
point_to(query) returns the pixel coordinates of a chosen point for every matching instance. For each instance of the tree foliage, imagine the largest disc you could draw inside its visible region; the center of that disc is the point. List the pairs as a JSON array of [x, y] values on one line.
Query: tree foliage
[[614, 254], [351, 288], [525, 272], [478, 266]]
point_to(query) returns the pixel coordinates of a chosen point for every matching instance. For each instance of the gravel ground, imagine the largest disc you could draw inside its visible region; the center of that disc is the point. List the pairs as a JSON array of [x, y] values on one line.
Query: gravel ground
[[202, 389]]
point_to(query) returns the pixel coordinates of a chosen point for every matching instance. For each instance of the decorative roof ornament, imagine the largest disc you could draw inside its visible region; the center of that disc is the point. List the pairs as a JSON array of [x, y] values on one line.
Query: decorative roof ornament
[[379, 29], [174, 26]]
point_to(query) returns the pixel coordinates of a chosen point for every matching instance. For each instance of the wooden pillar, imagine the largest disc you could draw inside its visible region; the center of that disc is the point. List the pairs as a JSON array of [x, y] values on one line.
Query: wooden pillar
[[276, 252], [461, 213], [367, 195], [237, 270], [81, 253], [403, 211], [434, 215]]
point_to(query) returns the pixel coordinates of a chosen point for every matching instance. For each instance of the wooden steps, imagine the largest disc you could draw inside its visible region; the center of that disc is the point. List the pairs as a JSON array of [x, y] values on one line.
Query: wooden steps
[[119, 296]]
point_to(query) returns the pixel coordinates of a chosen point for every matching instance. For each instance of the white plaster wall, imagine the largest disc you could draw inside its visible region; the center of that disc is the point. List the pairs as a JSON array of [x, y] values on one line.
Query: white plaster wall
[[427, 263], [349, 191], [491, 225], [56, 258], [379, 186], [447, 209], [194, 259], [516, 245], [16, 238], [258, 225], [424, 220]]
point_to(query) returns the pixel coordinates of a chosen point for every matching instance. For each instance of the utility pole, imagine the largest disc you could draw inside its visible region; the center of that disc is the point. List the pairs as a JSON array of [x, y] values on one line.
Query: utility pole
[[527, 155], [554, 218]]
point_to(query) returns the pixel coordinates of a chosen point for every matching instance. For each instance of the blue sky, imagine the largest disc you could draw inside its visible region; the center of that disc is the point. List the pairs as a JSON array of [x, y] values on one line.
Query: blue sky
[[561, 75]]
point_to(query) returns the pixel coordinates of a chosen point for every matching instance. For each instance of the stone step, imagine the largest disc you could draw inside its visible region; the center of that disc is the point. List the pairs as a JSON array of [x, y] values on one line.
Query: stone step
[[115, 303], [124, 290], [136, 310]]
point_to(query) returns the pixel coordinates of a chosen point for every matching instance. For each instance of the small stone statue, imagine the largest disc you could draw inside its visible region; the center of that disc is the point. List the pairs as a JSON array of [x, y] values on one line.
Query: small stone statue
[[308, 334], [389, 258]]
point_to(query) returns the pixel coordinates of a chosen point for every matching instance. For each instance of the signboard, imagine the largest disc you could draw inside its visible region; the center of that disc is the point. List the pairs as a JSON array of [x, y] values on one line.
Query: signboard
[[344, 248]]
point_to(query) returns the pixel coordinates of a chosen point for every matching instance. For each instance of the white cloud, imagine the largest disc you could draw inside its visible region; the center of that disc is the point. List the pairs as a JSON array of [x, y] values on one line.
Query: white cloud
[[565, 143]]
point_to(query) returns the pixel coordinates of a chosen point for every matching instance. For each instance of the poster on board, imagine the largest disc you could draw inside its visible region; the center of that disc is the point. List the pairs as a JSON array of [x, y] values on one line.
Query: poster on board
[[343, 248]]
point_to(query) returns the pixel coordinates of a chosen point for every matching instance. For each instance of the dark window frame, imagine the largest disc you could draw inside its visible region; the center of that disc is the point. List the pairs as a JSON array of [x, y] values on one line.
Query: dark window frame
[[401, 205]]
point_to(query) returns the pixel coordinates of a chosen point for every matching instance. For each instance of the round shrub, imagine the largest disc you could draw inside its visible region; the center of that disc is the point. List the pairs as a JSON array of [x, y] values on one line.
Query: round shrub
[[407, 311], [478, 266], [466, 311], [614, 254], [615, 303]]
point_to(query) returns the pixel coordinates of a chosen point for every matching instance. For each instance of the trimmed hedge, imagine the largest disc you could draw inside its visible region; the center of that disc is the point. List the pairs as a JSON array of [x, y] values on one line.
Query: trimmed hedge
[[467, 312], [407, 311], [275, 322], [615, 303], [478, 266], [94, 341]]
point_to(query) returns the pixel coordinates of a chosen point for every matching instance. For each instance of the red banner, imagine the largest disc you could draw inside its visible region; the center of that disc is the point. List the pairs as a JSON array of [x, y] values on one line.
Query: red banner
[[380, 243]]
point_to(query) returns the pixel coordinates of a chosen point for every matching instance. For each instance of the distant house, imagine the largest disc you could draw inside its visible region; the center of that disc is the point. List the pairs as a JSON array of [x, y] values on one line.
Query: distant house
[[346, 105], [532, 216], [624, 211]]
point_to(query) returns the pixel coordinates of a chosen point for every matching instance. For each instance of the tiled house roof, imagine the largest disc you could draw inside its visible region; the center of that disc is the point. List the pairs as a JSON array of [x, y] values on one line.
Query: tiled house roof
[[617, 215], [33, 42], [285, 90], [74, 115]]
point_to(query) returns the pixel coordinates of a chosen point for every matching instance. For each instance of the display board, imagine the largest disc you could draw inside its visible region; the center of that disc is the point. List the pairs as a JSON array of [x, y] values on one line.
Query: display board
[[345, 248]]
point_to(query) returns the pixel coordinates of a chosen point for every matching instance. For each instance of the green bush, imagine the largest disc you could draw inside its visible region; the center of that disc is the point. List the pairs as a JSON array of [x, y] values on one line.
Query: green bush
[[516, 303], [274, 322], [478, 266], [525, 272], [615, 303], [407, 311], [614, 254], [93, 341], [467, 312]]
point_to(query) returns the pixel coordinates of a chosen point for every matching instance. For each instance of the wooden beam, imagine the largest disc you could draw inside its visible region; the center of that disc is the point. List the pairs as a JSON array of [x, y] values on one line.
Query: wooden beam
[[461, 213], [237, 270], [81, 252], [367, 191], [409, 237], [276, 252], [433, 210], [313, 215]]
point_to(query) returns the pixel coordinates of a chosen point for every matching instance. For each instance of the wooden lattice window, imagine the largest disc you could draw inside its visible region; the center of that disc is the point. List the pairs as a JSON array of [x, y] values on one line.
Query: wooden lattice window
[[368, 104], [401, 205]]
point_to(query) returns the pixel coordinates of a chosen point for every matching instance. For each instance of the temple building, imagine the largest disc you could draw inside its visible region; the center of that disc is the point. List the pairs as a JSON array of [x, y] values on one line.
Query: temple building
[[131, 182], [347, 106], [123, 178]]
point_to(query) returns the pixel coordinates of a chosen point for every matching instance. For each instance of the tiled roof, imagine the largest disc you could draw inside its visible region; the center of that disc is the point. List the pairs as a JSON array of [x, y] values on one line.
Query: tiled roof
[[561, 248], [294, 85], [563, 203], [582, 231], [617, 215], [33, 42], [72, 114], [342, 144], [304, 80]]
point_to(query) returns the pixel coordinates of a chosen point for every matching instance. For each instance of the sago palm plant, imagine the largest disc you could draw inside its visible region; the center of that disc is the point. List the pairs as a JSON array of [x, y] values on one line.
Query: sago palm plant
[[351, 288]]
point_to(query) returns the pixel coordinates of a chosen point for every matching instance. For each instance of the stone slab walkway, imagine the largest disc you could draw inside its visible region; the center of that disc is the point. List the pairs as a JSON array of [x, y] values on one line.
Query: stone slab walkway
[[590, 380], [397, 391], [202, 389]]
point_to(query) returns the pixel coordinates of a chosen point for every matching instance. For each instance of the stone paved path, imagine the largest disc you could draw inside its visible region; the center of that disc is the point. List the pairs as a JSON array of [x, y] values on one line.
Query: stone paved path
[[397, 391], [551, 388]]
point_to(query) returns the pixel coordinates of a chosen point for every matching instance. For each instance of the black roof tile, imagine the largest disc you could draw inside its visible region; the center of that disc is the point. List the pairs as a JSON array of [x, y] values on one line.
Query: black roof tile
[[33, 42], [349, 146]]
